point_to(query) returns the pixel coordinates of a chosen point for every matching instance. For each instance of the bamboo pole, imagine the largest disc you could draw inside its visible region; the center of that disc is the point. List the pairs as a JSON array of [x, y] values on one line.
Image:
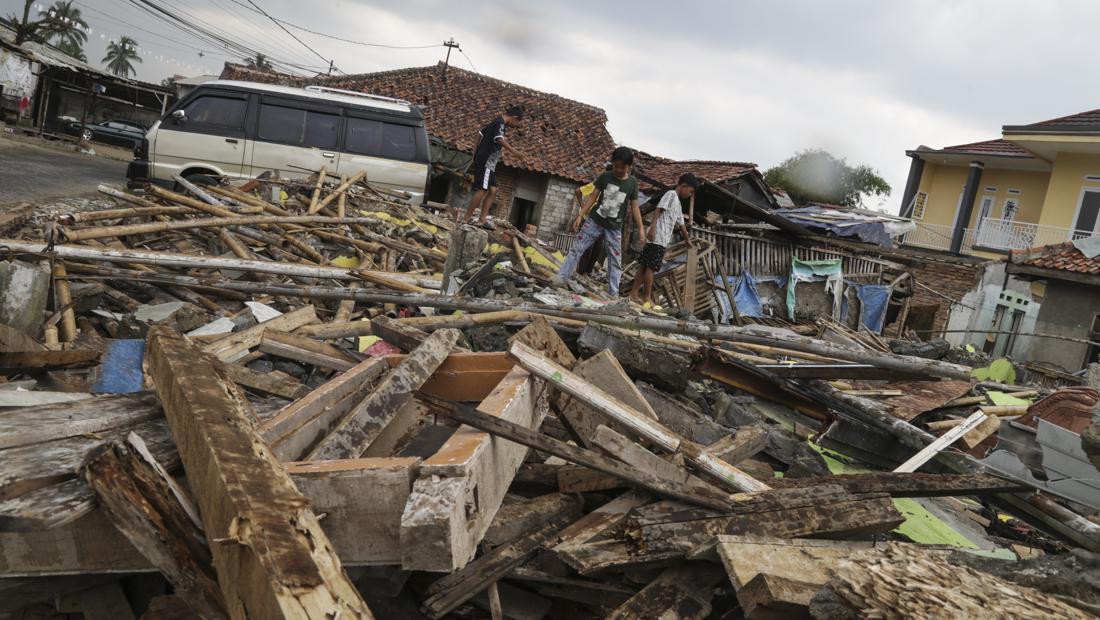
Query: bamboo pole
[[890, 361], [80, 234], [198, 191], [519, 256], [187, 261], [358, 176], [313, 202], [199, 205], [63, 300], [345, 309], [342, 203]]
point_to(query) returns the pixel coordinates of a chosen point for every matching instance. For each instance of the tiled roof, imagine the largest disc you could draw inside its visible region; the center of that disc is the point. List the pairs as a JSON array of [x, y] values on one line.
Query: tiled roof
[[560, 136], [1061, 256], [666, 171], [1081, 119], [988, 147]]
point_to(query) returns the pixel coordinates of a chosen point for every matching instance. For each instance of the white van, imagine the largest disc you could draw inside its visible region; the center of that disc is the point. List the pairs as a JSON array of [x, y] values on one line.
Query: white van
[[240, 130]]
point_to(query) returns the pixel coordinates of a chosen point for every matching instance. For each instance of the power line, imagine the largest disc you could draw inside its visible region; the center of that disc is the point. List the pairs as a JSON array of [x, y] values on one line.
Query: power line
[[336, 38], [292, 35], [460, 51]]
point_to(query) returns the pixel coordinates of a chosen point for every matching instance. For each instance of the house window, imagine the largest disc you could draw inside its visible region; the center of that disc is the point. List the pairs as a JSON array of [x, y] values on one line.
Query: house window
[[919, 201], [985, 211], [1012, 207], [1088, 213]]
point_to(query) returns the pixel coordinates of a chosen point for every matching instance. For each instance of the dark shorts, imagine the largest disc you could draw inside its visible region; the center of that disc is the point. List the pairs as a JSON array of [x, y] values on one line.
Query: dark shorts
[[484, 178], [652, 255]]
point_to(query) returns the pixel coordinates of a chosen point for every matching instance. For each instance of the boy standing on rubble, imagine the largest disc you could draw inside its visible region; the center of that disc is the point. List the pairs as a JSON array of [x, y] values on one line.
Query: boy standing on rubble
[[670, 214], [615, 190], [489, 145]]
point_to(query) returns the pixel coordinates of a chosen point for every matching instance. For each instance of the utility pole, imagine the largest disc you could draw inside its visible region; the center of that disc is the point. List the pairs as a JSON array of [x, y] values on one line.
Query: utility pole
[[449, 44], [330, 67]]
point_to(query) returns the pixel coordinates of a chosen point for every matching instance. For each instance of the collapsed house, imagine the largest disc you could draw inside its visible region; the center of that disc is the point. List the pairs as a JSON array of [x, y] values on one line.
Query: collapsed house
[[342, 405]]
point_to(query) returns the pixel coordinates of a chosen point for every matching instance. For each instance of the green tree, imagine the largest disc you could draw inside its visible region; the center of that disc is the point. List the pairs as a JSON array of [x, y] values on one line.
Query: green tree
[[814, 175], [121, 55], [65, 26], [26, 29], [260, 63], [75, 51]]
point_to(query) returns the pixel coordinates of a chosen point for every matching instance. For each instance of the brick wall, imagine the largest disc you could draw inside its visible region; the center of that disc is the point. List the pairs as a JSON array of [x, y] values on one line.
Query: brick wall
[[950, 279], [556, 206]]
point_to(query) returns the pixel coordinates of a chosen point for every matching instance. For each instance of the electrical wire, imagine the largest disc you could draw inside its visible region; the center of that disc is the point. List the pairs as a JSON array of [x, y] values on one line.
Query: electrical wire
[[460, 51], [292, 35], [336, 38]]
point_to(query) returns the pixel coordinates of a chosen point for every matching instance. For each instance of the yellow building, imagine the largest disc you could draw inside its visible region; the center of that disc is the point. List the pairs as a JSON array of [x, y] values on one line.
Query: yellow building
[[1039, 184]]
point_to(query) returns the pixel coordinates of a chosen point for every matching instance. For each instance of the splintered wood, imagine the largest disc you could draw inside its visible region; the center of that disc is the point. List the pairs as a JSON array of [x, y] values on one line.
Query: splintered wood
[[271, 556]]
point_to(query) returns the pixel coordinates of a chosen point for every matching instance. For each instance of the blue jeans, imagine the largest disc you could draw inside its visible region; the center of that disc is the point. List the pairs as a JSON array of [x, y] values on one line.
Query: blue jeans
[[589, 234]]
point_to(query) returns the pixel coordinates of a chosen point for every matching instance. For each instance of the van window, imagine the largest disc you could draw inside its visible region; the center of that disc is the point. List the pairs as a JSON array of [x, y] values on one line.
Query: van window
[[295, 126], [214, 110], [398, 142], [380, 139]]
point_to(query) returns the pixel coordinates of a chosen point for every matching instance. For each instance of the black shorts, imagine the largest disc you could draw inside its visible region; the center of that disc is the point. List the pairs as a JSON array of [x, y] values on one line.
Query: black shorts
[[484, 178], [652, 256]]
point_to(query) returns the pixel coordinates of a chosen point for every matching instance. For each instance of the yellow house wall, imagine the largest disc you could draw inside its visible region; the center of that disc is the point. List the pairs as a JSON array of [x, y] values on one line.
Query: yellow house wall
[[944, 184], [1067, 180]]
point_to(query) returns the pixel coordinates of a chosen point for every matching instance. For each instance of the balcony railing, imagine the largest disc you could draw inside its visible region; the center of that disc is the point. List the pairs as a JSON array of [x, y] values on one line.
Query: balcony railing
[[1009, 235], [936, 237], [992, 234]]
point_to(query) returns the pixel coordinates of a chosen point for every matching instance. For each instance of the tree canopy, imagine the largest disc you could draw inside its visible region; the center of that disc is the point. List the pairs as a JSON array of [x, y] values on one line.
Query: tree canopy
[[814, 175], [121, 55]]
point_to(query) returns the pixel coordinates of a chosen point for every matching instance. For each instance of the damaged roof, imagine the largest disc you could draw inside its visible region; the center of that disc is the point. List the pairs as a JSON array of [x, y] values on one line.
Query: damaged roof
[[561, 136], [1061, 256], [667, 171]]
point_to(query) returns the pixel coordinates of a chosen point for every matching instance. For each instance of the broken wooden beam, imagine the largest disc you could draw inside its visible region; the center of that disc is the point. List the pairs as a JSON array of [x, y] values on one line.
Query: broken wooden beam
[[355, 432], [302, 349], [912, 484], [271, 555], [40, 361]]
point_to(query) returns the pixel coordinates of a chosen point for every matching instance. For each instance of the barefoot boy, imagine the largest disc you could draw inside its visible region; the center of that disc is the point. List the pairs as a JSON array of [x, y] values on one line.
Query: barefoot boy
[[669, 215]]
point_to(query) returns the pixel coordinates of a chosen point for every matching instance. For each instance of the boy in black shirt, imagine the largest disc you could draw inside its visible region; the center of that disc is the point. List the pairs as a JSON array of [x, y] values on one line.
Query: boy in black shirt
[[616, 192], [490, 142]]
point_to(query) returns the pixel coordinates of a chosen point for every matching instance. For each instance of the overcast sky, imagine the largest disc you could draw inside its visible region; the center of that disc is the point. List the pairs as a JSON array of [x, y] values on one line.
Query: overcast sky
[[747, 81]]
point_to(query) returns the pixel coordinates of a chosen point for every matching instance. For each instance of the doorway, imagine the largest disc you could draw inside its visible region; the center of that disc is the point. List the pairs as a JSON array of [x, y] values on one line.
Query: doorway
[[522, 213]]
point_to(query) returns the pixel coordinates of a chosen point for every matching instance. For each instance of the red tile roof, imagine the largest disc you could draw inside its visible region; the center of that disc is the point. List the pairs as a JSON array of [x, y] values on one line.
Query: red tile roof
[[1061, 256], [562, 137], [666, 171], [1081, 119], [988, 147]]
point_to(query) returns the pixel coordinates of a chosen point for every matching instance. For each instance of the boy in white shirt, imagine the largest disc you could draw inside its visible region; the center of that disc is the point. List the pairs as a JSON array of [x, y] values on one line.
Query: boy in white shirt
[[669, 215]]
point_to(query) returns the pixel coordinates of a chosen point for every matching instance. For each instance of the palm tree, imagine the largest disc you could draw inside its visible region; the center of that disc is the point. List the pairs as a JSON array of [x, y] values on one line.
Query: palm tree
[[26, 29], [73, 50], [120, 56], [260, 63], [65, 25]]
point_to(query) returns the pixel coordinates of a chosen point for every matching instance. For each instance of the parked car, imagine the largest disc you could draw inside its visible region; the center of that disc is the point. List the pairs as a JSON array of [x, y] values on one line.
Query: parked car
[[119, 132], [240, 130]]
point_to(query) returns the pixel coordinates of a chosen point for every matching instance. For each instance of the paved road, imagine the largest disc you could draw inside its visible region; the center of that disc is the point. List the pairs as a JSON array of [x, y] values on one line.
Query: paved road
[[32, 173]]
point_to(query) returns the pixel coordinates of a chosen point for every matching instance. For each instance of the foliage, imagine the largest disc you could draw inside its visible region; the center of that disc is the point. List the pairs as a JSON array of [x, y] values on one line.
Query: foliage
[[815, 175], [120, 56], [260, 63], [61, 24], [168, 82], [75, 51]]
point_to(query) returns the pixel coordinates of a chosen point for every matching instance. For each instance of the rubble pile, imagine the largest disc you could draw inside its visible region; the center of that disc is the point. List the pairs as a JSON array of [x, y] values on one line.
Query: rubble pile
[[309, 399]]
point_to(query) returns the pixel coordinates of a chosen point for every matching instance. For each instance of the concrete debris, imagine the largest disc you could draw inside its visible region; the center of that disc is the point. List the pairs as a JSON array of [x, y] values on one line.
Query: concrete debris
[[337, 404]]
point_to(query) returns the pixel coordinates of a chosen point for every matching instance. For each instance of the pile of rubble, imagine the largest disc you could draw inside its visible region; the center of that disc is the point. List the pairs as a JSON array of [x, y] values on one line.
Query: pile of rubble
[[311, 399]]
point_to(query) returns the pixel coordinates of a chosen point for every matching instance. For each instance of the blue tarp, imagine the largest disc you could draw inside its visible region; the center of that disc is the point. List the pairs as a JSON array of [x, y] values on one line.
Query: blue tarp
[[745, 294], [873, 301], [120, 372]]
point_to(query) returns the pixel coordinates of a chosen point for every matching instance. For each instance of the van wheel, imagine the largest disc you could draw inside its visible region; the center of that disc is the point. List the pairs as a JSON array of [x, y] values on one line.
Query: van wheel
[[202, 180]]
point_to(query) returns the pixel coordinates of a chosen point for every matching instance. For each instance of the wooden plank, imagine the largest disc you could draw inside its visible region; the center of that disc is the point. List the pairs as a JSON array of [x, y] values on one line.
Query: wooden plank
[[282, 563], [637, 456], [809, 560], [747, 442], [466, 377], [451, 591], [683, 592], [403, 336], [521, 515], [143, 507], [362, 500], [274, 383], [299, 425], [302, 349], [690, 274], [600, 520], [32, 425], [355, 432], [532, 439], [941, 443], [769, 596], [640, 425], [37, 361], [604, 370], [540, 335], [233, 345], [462, 485], [912, 484]]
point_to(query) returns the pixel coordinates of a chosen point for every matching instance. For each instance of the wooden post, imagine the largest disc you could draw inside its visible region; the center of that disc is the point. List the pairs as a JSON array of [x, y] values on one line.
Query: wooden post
[[314, 207], [272, 558], [63, 300], [339, 191], [342, 203]]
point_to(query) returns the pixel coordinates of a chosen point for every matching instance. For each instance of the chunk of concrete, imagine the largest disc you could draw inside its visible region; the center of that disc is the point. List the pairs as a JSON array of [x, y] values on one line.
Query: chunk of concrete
[[24, 289]]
